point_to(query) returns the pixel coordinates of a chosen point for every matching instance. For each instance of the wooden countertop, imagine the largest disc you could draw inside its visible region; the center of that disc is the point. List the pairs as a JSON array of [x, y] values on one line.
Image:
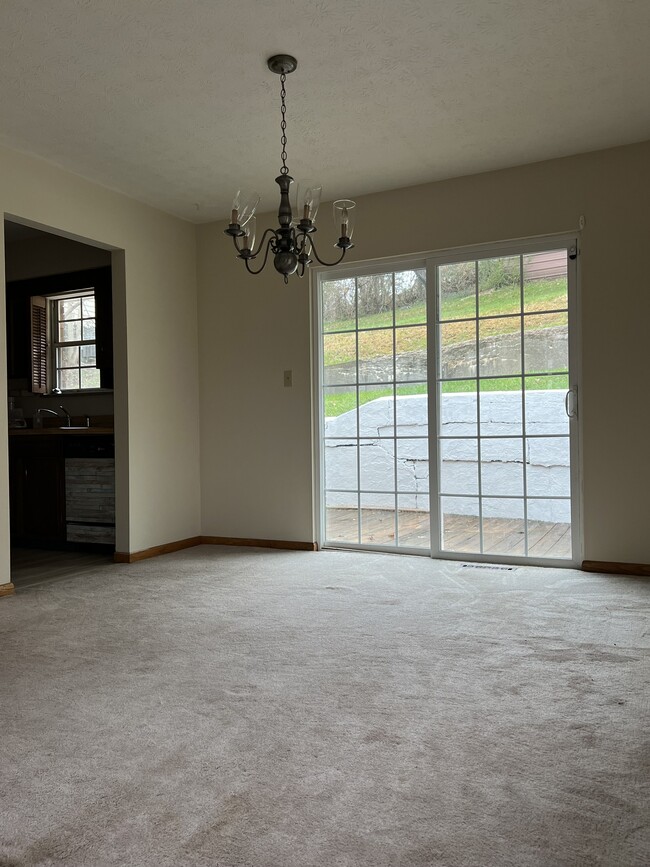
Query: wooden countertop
[[57, 431]]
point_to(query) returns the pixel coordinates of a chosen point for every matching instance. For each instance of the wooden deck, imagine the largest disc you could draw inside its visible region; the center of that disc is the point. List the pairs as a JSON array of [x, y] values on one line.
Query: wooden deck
[[460, 533]]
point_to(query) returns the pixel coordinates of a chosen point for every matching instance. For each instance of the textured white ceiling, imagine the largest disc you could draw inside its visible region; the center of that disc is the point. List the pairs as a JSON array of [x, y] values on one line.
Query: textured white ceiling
[[170, 101]]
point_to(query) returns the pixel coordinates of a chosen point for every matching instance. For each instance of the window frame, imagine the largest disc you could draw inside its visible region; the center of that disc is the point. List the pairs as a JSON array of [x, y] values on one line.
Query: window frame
[[54, 344]]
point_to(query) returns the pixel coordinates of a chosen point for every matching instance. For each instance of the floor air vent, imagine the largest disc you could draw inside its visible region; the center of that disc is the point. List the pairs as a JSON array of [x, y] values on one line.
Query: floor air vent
[[489, 566]]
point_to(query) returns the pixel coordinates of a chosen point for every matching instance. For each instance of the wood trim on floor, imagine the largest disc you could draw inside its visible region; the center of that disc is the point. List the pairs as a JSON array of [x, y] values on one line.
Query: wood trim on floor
[[7, 589], [616, 568], [259, 543], [169, 548]]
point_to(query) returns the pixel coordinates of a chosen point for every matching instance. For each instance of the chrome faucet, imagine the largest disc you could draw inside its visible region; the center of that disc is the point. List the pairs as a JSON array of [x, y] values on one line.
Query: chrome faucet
[[38, 419]]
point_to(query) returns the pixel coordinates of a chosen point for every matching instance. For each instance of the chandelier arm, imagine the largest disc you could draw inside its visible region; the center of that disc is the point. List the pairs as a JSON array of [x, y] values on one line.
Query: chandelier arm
[[266, 256], [327, 264], [261, 244]]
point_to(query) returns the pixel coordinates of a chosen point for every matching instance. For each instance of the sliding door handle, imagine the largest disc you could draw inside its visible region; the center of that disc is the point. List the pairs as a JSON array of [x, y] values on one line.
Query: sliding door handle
[[571, 403]]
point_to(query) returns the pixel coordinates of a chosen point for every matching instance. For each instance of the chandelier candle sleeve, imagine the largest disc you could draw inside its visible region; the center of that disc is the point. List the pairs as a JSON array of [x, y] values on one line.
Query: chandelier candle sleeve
[[308, 199], [250, 231], [344, 211], [292, 242], [244, 206]]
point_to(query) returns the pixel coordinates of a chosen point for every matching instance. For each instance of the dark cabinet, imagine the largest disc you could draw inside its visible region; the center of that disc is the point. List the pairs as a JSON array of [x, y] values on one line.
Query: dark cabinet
[[90, 491], [37, 490], [62, 490]]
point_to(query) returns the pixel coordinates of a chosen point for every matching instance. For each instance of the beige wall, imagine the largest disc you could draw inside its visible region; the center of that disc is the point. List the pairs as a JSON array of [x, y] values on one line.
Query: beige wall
[[256, 435], [155, 323]]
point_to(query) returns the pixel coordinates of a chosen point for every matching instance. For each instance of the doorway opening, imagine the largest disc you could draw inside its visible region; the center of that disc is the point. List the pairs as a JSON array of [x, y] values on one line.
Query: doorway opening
[[447, 405], [61, 411]]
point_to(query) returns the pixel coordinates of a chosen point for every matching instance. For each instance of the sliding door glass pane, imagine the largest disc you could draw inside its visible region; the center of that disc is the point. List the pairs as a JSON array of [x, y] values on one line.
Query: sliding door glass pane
[[377, 520], [376, 355], [545, 281], [339, 359], [504, 527], [459, 466], [499, 343], [457, 290], [546, 343], [338, 304], [413, 522], [411, 297], [460, 524], [410, 353], [341, 518], [411, 409], [499, 286], [457, 348]]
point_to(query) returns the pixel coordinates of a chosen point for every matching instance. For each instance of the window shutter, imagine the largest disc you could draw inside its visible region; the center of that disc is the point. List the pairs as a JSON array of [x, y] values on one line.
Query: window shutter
[[39, 344]]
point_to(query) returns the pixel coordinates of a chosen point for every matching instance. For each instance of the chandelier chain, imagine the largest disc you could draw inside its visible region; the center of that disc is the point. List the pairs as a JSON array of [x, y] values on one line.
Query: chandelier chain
[[283, 125]]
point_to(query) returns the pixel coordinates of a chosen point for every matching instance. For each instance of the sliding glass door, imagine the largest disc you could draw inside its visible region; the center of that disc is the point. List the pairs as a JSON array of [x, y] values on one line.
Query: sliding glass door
[[448, 406]]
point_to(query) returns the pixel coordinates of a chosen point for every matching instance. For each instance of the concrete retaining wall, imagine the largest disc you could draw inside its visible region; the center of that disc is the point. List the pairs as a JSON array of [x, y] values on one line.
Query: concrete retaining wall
[[502, 461], [545, 348]]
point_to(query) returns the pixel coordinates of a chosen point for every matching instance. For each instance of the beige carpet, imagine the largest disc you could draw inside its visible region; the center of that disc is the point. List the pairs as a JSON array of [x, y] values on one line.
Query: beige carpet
[[228, 707]]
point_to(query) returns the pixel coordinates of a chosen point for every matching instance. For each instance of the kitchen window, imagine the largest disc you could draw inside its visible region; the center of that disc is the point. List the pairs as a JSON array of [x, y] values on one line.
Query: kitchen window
[[60, 332], [73, 346]]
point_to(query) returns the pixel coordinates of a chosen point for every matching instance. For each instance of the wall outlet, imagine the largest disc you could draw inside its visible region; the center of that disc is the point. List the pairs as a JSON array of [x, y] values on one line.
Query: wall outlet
[[288, 378]]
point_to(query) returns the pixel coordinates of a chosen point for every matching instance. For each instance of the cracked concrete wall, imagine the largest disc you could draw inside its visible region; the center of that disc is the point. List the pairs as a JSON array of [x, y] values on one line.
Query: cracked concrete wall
[[380, 458]]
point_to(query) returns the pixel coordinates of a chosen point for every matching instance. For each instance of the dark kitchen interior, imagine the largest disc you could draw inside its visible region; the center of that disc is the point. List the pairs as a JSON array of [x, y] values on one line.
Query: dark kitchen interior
[[60, 387]]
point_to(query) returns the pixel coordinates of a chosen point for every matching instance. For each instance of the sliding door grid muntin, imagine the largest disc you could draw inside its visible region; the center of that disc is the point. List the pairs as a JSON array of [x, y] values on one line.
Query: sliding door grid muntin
[[429, 263], [391, 327], [491, 316], [408, 493], [452, 437], [487, 377]]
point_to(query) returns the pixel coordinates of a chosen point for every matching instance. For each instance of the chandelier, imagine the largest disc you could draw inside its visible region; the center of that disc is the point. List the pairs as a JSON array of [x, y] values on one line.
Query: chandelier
[[292, 243]]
